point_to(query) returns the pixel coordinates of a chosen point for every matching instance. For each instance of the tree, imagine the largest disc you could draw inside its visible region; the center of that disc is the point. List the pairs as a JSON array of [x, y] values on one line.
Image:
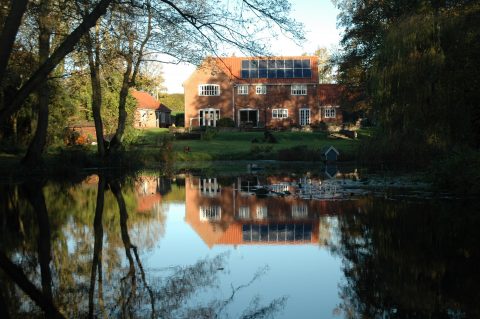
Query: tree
[[42, 72], [185, 31], [325, 66], [414, 70]]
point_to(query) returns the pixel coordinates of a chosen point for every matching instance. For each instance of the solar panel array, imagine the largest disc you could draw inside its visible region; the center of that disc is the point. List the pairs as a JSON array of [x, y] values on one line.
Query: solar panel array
[[276, 69]]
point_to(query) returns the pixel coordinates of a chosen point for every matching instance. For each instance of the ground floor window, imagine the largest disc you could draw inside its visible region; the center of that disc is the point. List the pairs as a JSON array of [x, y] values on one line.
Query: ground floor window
[[279, 113], [330, 112], [209, 117], [304, 117], [248, 117]]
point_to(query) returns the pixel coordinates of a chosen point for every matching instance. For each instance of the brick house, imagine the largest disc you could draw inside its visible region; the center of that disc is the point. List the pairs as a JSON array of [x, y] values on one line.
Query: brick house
[[254, 92], [150, 112]]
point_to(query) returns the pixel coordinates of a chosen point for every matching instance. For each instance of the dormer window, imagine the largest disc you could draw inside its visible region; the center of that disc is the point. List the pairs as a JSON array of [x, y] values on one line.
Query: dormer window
[[209, 90]]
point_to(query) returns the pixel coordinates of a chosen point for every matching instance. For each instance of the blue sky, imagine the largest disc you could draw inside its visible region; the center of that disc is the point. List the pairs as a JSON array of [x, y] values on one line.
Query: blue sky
[[319, 18]]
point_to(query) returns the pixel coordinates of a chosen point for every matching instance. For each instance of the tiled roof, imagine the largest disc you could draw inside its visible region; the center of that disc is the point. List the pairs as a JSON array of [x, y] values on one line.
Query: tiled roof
[[147, 101], [164, 108]]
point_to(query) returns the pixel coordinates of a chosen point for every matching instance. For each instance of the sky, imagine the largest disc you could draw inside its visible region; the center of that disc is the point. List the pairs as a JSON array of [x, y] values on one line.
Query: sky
[[319, 18]]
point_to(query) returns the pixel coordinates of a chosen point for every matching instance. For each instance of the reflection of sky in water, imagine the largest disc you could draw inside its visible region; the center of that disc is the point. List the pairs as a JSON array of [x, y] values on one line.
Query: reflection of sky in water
[[307, 274]]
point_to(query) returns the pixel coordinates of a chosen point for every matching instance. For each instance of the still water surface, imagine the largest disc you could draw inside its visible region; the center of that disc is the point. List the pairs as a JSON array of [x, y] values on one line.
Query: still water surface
[[248, 246]]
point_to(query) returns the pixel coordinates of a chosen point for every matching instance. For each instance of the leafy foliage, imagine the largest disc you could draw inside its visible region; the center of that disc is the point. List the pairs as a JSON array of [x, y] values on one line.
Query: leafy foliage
[[419, 75], [175, 102]]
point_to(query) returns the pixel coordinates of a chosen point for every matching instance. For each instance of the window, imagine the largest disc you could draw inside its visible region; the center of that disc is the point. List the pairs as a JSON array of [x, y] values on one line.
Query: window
[[276, 68], [262, 212], [299, 89], [261, 89], [299, 211], [304, 117], [244, 212], [209, 90], [330, 112], [242, 89], [209, 187], [279, 113], [280, 188], [209, 117], [143, 116], [210, 213]]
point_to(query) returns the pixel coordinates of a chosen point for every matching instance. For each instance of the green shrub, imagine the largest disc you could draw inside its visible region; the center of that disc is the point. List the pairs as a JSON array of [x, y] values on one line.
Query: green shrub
[[269, 138], [225, 122], [209, 134], [261, 151]]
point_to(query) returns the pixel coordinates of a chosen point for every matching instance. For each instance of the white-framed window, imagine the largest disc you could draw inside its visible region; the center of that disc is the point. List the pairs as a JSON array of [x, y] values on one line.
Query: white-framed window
[[209, 213], [244, 212], [299, 211], [299, 89], [209, 90], [209, 187], [279, 188], [242, 89], [330, 112], [262, 212], [261, 89], [279, 113], [304, 116], [209, 116]]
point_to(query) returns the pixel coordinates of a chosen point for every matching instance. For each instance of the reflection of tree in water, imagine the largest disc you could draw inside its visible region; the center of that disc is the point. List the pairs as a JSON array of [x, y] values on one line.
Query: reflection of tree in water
[[410, 260], [80, 282]]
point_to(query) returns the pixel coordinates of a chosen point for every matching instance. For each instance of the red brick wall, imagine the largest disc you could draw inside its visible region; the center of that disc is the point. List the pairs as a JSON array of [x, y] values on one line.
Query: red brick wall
[[226, 73]]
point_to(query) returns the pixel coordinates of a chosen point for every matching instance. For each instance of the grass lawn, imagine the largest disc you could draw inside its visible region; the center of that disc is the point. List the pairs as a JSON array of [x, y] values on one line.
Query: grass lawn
[[238, 145]]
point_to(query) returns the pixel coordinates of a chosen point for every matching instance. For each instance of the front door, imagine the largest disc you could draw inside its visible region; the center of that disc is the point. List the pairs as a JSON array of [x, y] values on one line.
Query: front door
[[249, 118], [304, 117]]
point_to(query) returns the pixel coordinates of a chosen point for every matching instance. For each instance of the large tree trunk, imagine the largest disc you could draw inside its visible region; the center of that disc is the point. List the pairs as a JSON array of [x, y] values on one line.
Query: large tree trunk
[[44, 70], [37, 145], [129, 78], [116, 141], [93, 48], [34, 194], [9, 33], [98, 243]]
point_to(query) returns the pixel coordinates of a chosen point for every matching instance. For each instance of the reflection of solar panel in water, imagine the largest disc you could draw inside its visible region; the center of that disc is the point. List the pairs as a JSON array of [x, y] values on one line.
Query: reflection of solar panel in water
[[277, 233]]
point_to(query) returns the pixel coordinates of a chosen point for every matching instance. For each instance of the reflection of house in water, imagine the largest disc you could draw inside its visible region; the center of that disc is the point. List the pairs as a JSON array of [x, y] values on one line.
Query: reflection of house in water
[[149, 191], [228, 215]]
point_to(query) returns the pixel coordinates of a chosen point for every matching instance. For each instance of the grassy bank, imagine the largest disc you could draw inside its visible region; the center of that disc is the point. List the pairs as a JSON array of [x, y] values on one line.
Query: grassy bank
[[239, 146], [154, 147]]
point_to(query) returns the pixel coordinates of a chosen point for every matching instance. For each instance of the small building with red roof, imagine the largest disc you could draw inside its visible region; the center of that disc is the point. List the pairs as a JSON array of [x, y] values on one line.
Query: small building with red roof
[[150, 112]]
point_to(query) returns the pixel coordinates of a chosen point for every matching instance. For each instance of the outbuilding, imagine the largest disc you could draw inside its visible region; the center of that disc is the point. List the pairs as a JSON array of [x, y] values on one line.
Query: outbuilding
[[150, 112], [330, 154]]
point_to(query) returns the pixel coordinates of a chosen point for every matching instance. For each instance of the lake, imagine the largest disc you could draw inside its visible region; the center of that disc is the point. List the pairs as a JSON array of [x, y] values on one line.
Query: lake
[[245, 245]]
